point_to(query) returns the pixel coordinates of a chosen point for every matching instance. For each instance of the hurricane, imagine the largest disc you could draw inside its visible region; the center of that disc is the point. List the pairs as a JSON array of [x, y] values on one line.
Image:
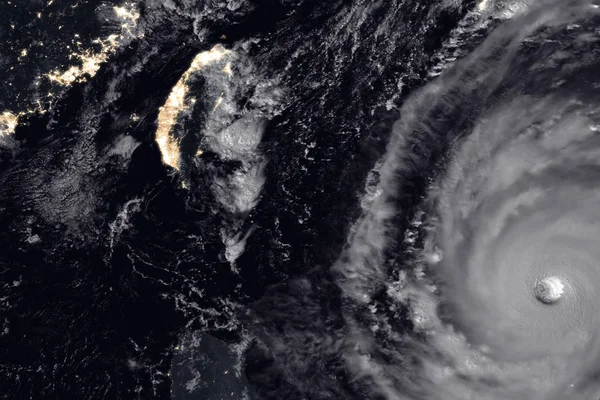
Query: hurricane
[[500, 276]]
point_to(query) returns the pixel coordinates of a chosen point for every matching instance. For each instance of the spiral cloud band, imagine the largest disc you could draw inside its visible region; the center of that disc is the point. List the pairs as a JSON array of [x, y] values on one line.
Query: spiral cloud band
[[504, 299], [519, 223]]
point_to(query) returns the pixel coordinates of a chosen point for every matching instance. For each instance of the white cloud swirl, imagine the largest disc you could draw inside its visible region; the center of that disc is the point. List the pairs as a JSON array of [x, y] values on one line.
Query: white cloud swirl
[[517, 202]]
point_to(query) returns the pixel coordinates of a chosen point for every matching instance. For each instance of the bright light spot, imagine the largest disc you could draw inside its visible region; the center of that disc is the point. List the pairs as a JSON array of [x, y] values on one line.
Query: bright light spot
[[8, 123], [127, 14], [227, 69], [218, 102]]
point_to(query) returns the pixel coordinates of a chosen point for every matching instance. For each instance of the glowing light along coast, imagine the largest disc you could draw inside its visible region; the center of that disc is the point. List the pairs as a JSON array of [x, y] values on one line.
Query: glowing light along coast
[[87, 65], [177, 102], [90, 61]]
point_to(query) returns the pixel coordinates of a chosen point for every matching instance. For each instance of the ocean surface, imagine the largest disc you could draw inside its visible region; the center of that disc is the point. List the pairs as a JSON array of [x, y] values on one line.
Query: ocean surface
[[298, 199]]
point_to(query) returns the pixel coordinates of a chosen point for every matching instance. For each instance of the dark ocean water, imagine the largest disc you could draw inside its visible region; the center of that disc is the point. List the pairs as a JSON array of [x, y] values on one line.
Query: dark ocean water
[[124, 278], [96, 313]]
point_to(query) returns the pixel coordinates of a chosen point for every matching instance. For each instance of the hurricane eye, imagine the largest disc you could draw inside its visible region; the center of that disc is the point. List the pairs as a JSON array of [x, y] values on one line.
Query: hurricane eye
[[549, 290]]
